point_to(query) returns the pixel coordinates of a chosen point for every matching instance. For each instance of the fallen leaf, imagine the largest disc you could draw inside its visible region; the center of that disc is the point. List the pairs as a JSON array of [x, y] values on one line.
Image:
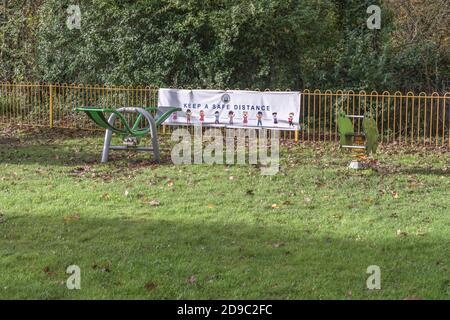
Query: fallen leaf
[[150, 286], [231, 178], [413, 185], [154, 203], [74, 217], [170, 183], [192, 280], [48, 272], [106, 269], [275, 206], [394, 195], [278, 244]]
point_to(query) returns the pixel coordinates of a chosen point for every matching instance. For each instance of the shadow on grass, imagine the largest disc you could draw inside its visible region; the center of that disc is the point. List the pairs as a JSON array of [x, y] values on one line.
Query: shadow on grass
[[408, 170], [425, 171], [188, 259], [38, 134], [52, 155], [76, 154]]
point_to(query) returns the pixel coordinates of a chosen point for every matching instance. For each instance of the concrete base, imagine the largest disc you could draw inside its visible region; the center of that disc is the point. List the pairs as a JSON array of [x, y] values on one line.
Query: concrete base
[[356, 165]]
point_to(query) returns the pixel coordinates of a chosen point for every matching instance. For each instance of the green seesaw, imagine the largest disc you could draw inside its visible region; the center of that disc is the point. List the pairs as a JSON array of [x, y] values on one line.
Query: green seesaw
[[131, 133]]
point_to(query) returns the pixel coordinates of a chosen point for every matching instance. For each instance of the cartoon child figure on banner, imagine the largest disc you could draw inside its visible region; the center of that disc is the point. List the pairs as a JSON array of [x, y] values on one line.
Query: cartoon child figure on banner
[[174, 116], [259, 117], [202, 116], [245, 118], [291, 119], [188, 116], [217, 116], [275, 118], [231, 116]]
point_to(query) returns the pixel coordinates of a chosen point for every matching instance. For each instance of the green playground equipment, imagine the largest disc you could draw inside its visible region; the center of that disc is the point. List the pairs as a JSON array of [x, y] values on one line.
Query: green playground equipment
[[363, 142], [131, 133]]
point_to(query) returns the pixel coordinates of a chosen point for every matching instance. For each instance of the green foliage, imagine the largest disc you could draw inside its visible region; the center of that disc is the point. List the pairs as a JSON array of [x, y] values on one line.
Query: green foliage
[[422, 67], [18, 28], [216, 43], [189, 43]]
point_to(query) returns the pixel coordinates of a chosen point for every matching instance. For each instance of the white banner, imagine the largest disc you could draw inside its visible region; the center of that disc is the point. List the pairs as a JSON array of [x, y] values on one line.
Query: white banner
[[233, 108]]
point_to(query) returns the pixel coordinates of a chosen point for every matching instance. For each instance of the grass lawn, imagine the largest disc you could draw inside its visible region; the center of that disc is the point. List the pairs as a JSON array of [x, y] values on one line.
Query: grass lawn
[[147, 231]]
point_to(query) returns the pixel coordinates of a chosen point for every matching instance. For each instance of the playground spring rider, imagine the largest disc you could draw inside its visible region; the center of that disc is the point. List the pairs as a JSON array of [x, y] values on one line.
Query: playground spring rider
[[361, 143]]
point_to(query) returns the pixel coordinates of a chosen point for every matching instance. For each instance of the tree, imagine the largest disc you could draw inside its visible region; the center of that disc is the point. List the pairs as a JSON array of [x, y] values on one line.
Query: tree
[[18, 26]]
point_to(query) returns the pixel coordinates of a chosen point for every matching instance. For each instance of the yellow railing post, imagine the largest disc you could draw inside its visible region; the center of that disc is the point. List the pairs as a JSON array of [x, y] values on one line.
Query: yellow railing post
[[51, 105]]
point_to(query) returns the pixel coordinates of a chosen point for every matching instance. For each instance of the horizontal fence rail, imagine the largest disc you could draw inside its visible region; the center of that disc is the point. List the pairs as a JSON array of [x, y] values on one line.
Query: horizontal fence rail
[[405, 118]]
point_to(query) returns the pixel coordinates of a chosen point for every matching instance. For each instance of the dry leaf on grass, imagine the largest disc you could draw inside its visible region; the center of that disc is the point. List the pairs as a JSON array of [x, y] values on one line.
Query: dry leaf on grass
[[278, 244], [150, 286], [192, 280], [154, 203], [74, 217], [106, 269], [48, 272]]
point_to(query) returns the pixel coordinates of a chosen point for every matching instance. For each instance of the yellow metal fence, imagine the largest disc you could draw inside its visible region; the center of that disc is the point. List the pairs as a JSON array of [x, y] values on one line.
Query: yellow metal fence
[[407, 118]]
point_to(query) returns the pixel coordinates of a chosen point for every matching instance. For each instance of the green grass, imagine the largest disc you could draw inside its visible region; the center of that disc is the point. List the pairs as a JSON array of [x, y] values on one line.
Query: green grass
[[212, 236]]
